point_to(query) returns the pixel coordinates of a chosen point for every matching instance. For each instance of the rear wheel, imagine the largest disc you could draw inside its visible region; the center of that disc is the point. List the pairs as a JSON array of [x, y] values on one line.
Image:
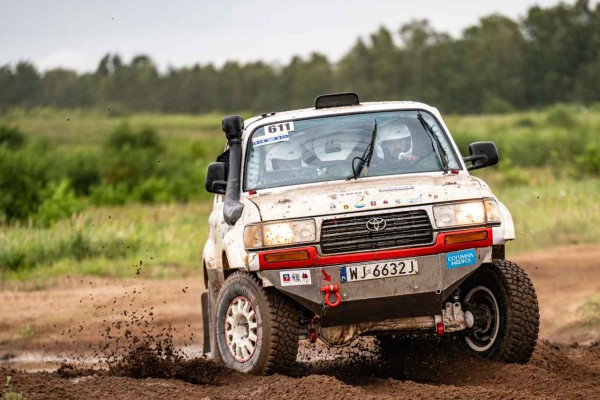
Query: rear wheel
[[504, 304], [257, 328]]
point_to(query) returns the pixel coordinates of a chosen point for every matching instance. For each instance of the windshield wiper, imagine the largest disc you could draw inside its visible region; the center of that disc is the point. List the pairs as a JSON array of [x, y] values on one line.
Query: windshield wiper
[[366, 157], [436, 139]]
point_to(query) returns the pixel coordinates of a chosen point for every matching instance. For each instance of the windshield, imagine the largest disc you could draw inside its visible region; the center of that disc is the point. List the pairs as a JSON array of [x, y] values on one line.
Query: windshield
[[343, 147]]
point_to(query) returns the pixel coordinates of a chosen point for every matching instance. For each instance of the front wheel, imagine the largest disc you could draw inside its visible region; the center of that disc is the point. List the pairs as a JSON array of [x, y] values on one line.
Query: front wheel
[[257, 329], [504, 305]]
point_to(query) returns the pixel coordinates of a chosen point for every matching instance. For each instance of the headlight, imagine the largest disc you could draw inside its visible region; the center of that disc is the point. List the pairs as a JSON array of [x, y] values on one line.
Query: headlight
[[280, 233], [470, 213]]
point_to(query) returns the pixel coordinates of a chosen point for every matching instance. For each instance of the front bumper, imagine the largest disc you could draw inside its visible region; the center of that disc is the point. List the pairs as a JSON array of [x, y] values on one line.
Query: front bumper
[[378, 299]]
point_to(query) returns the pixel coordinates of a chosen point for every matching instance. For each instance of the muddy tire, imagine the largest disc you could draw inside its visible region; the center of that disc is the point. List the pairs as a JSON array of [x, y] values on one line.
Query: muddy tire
[[257, 329], [504, 303], [212, 305]]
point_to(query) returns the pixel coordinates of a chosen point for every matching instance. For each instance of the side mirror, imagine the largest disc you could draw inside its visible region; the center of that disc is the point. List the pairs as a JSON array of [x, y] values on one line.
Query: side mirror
[[482, 154], [215, 178]]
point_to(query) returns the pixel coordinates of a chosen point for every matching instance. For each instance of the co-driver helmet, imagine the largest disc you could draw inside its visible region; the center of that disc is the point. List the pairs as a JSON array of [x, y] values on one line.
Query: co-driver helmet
[[284, 156]]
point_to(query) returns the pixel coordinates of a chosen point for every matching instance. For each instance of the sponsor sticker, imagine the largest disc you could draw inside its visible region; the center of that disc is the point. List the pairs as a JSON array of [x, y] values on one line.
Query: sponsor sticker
[[261, 141], [396, 188], [295, 278], [409, 200], [462, 258], [360, 193], [274, 133]]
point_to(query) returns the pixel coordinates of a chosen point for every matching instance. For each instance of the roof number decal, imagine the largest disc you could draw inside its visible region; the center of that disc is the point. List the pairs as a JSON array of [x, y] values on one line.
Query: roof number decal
[[274, 133]]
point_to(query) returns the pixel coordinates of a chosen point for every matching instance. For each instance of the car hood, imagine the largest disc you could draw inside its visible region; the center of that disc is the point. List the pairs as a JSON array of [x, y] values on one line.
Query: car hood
[[330, 198]]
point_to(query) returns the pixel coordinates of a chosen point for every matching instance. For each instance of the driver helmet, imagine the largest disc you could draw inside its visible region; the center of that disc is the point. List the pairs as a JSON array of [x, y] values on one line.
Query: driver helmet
[[393, 141], [284, 156]]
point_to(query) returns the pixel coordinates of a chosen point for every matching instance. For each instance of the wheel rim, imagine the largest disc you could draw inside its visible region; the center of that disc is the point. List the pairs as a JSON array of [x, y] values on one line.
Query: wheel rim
[[483, 337], [241, 329]]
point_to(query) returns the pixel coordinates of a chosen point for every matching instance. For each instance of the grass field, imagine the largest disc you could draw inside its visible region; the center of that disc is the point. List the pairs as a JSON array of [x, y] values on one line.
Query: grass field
[[550, 205], [85, 128], [167, 240], [156, 241]]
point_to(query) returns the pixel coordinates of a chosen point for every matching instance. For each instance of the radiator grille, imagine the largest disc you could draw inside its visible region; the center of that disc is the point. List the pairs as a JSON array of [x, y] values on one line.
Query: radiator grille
[[405, 228]]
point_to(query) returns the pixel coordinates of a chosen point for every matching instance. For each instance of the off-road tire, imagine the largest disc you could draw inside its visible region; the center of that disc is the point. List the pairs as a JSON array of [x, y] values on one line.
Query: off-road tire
[[277, 329], [213, 292], [518, 311]]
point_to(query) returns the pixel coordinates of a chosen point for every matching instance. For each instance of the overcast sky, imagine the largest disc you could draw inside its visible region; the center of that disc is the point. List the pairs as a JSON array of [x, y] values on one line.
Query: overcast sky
[[76, 34]]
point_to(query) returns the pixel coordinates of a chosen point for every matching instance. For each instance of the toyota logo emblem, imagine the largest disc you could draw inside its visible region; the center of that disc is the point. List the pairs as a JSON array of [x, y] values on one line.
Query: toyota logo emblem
[[376, 224]]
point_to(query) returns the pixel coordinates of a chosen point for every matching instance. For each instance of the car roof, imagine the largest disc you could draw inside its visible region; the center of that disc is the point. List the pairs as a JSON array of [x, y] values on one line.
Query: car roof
[[272, 118]]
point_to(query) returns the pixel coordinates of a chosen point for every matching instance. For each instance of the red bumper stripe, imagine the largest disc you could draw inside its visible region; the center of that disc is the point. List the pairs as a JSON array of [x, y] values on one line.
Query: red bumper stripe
[[318, 260]]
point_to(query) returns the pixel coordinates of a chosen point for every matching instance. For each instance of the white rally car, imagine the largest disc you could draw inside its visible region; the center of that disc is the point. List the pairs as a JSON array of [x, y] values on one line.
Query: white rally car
[[351, 219]]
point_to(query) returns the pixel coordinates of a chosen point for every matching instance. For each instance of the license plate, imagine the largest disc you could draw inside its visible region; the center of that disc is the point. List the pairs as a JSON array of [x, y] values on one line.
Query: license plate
[[387, 269]]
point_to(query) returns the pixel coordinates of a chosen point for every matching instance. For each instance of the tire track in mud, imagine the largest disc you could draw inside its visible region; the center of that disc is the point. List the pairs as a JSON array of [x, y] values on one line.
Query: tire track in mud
[[429, 370]]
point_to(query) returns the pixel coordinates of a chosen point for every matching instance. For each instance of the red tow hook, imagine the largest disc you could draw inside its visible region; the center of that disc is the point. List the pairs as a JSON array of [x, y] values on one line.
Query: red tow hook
[[328, 289]]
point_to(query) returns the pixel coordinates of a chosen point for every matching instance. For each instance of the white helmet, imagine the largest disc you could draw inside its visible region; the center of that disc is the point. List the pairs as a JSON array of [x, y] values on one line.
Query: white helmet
[[393, 137], [284, 156]]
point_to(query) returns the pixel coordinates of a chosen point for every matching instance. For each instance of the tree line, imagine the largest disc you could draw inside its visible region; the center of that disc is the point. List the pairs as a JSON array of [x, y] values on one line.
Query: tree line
[[551, 55]]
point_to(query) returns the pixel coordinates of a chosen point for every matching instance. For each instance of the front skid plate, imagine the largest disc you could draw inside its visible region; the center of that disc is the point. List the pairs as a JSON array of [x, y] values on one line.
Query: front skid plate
[[378, 299]]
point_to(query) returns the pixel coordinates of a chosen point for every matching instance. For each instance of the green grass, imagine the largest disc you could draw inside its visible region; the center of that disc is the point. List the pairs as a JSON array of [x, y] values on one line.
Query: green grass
[[88, 128], [160, 240], [8, 393], [166, 240], [555, 137], [560, 213]]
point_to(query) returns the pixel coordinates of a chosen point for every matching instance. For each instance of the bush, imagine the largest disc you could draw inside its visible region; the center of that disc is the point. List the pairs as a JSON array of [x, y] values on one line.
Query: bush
[[513, 175], [129, 168], [11, 137], [123, 138], [153, 190], [588, 163], [107, 194], [83, 171], [80, 167], [131, 156], [59, 202], [22, 181], [562, 115]]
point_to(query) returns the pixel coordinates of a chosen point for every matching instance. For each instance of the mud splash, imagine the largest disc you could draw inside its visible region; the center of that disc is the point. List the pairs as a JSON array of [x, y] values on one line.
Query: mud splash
[[132, 345], [150, 361], [429, 370]]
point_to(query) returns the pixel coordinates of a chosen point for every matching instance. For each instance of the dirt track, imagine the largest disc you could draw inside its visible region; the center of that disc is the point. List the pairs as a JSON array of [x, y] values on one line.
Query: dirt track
[[73, 318]]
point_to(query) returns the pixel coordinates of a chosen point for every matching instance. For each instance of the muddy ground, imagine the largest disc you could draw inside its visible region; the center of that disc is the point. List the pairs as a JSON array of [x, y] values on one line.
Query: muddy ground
[[81, 321]]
